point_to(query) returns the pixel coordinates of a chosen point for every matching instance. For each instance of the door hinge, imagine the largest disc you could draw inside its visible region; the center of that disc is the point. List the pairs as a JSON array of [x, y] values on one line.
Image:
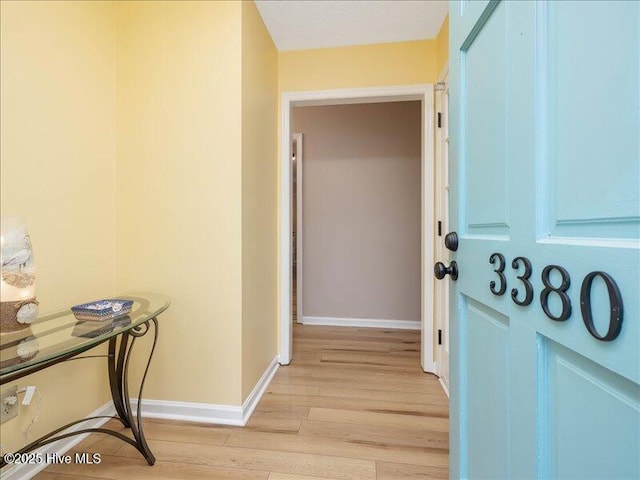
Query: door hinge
[[439, 228], [439, 120], [439, 337]]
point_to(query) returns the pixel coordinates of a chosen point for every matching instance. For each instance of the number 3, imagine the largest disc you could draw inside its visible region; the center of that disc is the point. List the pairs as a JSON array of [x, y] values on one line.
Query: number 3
[[499, 270], [524, 278]]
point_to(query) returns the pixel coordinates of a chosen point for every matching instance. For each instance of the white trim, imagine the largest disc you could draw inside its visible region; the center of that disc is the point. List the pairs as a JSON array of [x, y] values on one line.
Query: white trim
[[254, 397], [26, 471], [284, 236], [299, 229], [362, 322], [190, 411], [209, 412], [423, 93], [441, 206], [444, 386], [428, 228], [185, 411], [356, 95]]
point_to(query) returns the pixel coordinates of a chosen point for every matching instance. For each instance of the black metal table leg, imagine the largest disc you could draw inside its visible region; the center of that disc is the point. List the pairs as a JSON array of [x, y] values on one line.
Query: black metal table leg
[[115, 367], [119, 381], [118, 368]]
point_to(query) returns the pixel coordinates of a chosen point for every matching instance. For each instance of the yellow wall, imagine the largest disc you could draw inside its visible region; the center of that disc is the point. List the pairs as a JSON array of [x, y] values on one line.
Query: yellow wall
[[442, 45], [170, 107], [179, 189], [383, 64], [57, 169], [259, 197]]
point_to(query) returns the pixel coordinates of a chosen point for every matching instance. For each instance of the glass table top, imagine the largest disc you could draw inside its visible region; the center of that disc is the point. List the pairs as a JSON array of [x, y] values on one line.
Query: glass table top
[[57, 334]]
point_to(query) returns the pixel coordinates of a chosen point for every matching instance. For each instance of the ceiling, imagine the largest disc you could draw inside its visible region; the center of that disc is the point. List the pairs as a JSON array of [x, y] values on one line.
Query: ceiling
[[298, 25]]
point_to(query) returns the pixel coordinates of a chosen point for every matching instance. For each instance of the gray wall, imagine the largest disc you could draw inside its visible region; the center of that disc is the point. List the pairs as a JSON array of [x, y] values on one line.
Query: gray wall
[[361, 210]]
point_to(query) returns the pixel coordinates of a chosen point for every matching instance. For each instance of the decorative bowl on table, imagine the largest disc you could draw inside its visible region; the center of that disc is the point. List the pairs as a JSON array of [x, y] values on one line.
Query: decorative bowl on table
[[102, 310]]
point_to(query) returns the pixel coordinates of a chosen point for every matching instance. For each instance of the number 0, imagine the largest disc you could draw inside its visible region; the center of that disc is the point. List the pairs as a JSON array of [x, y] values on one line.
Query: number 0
[[615, 306]]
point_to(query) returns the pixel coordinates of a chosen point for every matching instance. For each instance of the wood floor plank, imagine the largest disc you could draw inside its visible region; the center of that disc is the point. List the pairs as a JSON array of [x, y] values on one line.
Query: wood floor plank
[[353, 405], [381, 419], [294, 371], [71, 477], [291, 412], [369, 359], [119, 468], [355, 372], [360, 404], [45, 476], [101, 443], [159, 430], [396, 471], [361, 368], [360, 384], [259, 459], [351, 346], [338, 346], [67, 477], [338, 448], [293, 389], [376, 435], [386, 395], [287, 476], [355, 333], [269, 424]]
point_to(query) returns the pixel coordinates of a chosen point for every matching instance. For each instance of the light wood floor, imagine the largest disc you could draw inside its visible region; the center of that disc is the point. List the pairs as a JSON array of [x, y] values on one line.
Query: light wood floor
[[353, 405]]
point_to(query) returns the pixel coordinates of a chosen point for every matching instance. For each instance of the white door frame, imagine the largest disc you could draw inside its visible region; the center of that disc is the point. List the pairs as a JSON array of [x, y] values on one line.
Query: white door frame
[[441, 197], [297, 137], [423, 93]]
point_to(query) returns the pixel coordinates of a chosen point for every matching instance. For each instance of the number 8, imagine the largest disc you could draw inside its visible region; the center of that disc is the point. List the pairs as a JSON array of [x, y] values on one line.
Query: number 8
[[561, 291]]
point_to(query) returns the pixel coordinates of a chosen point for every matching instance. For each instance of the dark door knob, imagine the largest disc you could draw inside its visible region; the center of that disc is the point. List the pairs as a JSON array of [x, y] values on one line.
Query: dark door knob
[[440, 271], [451, 241]]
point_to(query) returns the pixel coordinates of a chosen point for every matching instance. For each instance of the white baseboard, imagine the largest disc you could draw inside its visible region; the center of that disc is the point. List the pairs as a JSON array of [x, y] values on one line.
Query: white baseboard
[[428, 367], [185, 411], [251, 402], [444, 386], [190, 411], [362, 322], [209, 412], [26, 471]]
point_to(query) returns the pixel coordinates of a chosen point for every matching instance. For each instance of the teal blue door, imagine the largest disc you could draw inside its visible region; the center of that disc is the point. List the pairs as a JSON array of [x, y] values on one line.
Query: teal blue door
[[545, 312]]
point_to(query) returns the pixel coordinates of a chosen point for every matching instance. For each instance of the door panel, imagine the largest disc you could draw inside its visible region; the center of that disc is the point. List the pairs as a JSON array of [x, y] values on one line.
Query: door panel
[[544, 156], [578, 390], [487, 364], [483, 89], [602, 201]]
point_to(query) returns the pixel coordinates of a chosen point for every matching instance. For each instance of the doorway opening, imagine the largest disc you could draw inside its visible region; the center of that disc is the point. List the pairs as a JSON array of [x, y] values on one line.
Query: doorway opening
[[421, 93]]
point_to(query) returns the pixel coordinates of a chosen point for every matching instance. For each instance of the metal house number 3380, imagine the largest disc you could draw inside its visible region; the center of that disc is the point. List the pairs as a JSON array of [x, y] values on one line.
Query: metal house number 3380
[[499, 287]]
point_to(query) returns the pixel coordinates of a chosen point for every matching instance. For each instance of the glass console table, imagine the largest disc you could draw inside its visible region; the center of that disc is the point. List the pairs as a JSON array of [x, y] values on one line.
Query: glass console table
[[59, 337]]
